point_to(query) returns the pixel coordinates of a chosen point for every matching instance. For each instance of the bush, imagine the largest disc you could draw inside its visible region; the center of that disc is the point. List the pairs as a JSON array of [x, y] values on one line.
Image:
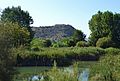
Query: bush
[[104, 42], [112, 51], [38, 43], [66, 42], [59, 44], [107, 69], [56, 74], [82, 44], [63, 56]]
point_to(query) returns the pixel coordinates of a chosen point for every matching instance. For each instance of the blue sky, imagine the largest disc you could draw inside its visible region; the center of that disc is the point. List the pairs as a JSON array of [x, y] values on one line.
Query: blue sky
[[74, 12]]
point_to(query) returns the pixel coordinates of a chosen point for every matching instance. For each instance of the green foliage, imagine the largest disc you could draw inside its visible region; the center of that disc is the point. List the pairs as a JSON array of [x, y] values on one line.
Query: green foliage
[[62, 56], [82, 44], [105, 24], [112, 51], [107, 69], [78, 36], [18, 34], [56, 74], [55, 45], [104, 42], [38, 43], [66, 42], [7, 41], [16, 14], [62, 52]]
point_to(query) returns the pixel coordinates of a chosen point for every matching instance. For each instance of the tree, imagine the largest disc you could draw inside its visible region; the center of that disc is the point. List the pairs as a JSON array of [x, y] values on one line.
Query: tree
[[105, 24], [116, 30], [6, 57], [16, 14], [78, 36], [19, 35], [67, 42]]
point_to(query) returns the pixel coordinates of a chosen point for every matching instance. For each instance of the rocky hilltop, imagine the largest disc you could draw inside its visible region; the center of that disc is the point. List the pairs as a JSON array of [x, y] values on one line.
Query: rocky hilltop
[[55, 32]]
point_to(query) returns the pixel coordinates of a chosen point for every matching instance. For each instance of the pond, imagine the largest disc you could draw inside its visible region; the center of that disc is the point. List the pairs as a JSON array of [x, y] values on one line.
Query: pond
[[31, 71], [29, 74], [81, 77], [83, 73]]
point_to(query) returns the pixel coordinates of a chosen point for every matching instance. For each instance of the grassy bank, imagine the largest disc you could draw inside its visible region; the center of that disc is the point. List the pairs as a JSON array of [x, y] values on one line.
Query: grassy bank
[[63, 56]]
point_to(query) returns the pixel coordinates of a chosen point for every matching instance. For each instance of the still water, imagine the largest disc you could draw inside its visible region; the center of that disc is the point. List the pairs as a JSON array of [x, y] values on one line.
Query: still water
[[82, 75]]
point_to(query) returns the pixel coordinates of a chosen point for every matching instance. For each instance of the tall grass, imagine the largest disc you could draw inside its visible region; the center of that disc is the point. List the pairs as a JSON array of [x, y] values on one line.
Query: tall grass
[[63, 56]]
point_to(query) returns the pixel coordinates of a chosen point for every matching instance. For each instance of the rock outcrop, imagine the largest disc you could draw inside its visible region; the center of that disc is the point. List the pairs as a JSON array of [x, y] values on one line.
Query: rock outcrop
[[56, 32]]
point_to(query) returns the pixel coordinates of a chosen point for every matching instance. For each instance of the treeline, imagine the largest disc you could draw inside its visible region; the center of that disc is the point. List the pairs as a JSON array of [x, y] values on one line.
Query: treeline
[[104, 28]]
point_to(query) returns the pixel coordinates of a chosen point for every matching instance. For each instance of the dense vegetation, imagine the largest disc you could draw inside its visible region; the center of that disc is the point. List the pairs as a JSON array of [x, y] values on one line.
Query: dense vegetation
[[16, 14], [107, 69], [6, 56], [105, 24], [63, 56], [14, 32]]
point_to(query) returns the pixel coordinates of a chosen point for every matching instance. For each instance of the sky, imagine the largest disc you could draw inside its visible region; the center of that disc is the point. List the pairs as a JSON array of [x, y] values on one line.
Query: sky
[[74, 12]]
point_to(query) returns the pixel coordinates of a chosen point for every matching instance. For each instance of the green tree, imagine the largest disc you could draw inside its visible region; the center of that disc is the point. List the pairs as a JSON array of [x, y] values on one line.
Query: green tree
[[19, 35], [100, 26], [16, 14], [105, 24], [116, 30], [78, 36], [6, 58]]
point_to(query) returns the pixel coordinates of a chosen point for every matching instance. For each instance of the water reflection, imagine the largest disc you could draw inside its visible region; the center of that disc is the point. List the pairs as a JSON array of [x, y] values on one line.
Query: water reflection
[[36, 78], [84, 75]]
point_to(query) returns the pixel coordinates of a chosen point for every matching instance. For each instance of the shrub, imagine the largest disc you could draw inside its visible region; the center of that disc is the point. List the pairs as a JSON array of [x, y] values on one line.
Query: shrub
[[81, 44], [68, 42], [38, 43], [104, 42], [56, 74], [55, 45], [59, 44], [112, 51], [64, 56], [107, 69]]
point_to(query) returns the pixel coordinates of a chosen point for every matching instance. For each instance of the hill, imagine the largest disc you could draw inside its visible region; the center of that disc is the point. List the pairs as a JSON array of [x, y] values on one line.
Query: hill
[[56, 32]]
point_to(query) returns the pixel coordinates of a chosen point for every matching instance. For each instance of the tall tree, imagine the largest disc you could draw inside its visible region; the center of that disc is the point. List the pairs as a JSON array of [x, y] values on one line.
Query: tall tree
[[6, 57], [78, 36], [19, 35], [16, 14], [104, 24]]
